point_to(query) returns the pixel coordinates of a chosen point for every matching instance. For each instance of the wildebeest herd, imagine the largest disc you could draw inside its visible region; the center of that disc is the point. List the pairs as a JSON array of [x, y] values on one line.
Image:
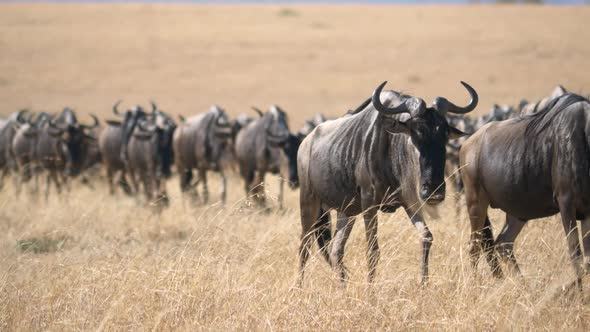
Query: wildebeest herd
[[392, 151]]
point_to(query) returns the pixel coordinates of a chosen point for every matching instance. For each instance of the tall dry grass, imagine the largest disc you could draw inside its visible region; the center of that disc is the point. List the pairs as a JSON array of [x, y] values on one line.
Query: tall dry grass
[[108, 263]]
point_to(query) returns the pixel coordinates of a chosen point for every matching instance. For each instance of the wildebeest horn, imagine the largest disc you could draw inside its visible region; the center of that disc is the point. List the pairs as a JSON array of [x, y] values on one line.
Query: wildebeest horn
[[414, 106], [154, 106], [442, 105], [257, 110], [93, 125], [181, 118], [20, 114], [115, 110]]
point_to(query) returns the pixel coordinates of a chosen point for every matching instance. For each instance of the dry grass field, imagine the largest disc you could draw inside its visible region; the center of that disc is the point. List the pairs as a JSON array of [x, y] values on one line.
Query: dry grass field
[[89, 261]]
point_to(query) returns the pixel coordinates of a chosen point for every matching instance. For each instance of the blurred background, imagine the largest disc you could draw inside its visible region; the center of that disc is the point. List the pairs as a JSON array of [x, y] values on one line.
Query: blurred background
[[307, 58]]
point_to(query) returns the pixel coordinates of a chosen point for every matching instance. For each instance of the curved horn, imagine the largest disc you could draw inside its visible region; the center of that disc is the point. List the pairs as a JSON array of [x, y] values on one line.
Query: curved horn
[[96, 123], [115, 108], [20, 114], [442, 105], [154, 106], [257, 110], [414, 106]]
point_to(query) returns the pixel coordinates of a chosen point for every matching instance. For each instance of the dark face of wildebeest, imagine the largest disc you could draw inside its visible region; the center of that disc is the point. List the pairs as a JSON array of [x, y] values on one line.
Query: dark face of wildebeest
[[278, 135], [429, 132], [160, 132], [290, 146], [130, 118], [67, 130]]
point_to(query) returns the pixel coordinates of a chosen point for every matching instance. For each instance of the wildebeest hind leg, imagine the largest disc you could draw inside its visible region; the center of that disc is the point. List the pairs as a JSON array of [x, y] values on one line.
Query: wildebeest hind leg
[[482, 238], [343, 228], [323, 233], [309, 207], [370, 218], [504, 244], [203, 178], [223, 187], [568, 218]]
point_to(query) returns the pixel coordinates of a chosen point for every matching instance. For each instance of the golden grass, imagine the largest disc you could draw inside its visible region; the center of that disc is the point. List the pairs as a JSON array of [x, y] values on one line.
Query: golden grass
[[109, 264], [235, 268]]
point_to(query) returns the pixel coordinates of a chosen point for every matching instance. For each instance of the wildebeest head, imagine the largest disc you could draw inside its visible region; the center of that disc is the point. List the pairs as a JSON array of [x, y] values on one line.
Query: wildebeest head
[[429, 132], [74, 135], [278, 135], [130, 118], [220, 131]]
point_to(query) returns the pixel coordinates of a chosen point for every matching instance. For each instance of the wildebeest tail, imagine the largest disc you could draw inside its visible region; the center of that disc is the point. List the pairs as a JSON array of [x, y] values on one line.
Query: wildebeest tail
[[323, 233]]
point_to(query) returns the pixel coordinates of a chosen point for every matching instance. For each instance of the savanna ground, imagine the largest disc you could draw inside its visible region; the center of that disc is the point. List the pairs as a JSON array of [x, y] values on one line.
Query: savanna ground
[[87, 260]]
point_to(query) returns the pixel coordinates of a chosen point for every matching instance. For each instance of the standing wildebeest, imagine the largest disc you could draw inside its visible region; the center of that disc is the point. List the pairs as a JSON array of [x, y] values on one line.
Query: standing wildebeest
[[259, 149], [530, 167], [113, 144], [150, 156], [8, 128], [389, 155], [24, 146], [62, 146], [200, 143]]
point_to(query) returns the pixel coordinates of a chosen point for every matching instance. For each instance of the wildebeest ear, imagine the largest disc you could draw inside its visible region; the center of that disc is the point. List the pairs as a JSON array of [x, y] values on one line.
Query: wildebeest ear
[[114, 123], [455, 133], [399, 127]]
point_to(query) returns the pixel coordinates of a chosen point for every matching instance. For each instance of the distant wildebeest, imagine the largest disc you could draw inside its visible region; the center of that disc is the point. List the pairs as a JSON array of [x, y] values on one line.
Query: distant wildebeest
[[24, 147], [530, 167], [113, 144], [8, 128], [529, 108], [200, 143], [267, 145], [62, 146], [389, 155], [150, 156]]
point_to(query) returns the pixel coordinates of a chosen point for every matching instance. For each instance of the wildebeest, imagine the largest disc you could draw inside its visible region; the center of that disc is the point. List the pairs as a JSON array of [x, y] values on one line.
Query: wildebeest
[[530, 167], [200, 143], [61, 147], [389, 155], [150, 156], [24, 147], [8, 128], [113, 144], [267, 145]]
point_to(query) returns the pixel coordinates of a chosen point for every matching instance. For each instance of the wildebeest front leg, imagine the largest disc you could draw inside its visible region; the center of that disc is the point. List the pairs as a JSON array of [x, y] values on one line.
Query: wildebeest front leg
[[343, 228], [223, 187], [504, 244], [309, 207], [203, 177], [370, 217], [281, 191], [110, 177], [425, 239]]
